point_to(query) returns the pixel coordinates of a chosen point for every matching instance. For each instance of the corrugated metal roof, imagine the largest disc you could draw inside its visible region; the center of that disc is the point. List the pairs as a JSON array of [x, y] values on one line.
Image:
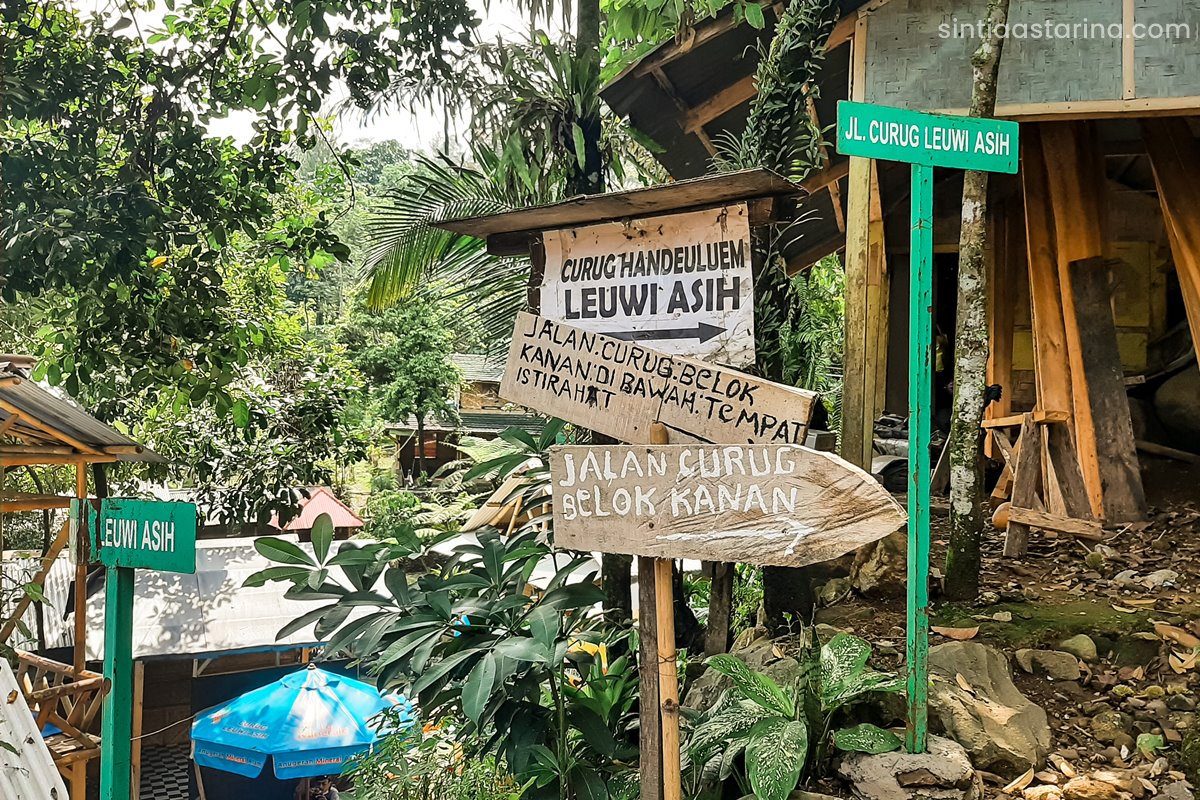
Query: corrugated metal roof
[[478, 368], [29, 772], [209, 612], [19, 567], [60, 413]]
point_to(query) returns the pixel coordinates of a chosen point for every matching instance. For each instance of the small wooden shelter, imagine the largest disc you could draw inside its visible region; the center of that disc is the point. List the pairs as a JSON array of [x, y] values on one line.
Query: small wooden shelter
[[40, 427], [1096, 242]]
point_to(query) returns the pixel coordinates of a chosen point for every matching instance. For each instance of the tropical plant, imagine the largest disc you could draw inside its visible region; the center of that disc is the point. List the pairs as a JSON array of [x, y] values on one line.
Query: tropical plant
[[431, 768], [768, 736], [475, 641]]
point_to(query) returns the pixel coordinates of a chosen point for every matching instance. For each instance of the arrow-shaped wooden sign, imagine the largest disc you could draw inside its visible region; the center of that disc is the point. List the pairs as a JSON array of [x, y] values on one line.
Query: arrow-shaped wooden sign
[[620, 388], [771, 505]]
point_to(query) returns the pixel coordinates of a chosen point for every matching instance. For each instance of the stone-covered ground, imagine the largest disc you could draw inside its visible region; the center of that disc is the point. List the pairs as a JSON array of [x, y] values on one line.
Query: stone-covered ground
[[1104, 638]]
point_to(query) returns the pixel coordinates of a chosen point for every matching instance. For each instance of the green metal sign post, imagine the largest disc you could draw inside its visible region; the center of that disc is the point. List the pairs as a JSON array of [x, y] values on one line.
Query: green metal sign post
[[125, 535], [925, 141]]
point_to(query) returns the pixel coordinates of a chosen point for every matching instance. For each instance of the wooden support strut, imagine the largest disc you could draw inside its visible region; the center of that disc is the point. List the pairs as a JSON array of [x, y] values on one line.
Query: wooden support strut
[[668, 678]]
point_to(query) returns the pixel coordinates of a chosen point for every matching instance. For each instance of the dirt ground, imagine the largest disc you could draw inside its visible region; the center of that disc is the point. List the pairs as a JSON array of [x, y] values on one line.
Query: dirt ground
[[1137, 596]]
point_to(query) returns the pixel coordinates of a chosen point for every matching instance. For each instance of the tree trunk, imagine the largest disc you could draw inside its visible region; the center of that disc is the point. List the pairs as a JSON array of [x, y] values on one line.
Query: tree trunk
[[968, 500], [590, 178], [616, 574]]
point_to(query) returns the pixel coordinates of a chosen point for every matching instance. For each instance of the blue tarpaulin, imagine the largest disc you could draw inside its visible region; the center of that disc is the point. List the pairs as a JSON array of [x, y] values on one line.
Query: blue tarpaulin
[[310, 722]]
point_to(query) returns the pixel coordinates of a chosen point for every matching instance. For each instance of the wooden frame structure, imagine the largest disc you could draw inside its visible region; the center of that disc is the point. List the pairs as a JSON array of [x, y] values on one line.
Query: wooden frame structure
[[39, 429]]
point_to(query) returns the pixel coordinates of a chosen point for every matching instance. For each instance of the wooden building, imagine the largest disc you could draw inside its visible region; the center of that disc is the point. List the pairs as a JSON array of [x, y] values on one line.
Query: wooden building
[[1095, 261]]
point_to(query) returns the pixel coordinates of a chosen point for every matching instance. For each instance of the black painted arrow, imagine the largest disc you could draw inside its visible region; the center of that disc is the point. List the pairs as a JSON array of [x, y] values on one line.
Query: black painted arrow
[[702, 331]]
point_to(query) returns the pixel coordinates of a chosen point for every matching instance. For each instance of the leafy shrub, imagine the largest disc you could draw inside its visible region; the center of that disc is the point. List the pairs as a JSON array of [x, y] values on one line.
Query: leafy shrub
[[766, 736], [390, 511]]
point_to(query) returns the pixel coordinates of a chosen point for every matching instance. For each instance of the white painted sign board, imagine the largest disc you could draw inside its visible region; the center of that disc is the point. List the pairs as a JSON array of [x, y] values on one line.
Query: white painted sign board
[[770, 505], [680, 283], [621, 388]]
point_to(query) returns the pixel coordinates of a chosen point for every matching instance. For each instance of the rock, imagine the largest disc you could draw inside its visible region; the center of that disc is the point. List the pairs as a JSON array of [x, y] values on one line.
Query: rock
[[1181, 702], [1126, 579], [1081, 646], [1002, 729], [1056, 665], [760, 655], [1177, 410], [942, 773], [833, 591], [880, 568], [1107, 726], [1042, 793], [1085, 788], [1179, 790]]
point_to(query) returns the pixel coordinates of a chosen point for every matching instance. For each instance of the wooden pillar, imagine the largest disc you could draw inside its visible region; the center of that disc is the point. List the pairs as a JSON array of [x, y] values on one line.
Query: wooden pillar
[[878, 292], [80, 583], [1004, 261], [1176, 161], [855, 444], [650, 727], [1075, 172]]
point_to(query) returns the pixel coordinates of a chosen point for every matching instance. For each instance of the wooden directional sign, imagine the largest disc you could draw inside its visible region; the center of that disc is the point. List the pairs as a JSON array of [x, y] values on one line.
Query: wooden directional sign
[[139, 533], [620, 388], [771, 505], [681, 283], [934, 140]]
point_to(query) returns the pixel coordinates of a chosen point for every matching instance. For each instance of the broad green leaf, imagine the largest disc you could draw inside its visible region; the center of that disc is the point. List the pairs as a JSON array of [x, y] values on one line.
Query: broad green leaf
[[523, 649], [753, 685], [588, 784], [322, 536], [775, 756], [478, 688], [435, 672], [580, 144], [866, 738], [754, 16], [303, 621], [262, 577], [241, 414], [283, 551], [543, 624], [726, 721]]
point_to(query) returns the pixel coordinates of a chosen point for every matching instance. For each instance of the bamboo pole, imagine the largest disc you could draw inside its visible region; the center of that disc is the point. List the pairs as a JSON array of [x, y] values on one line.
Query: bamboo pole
[[668, 678]]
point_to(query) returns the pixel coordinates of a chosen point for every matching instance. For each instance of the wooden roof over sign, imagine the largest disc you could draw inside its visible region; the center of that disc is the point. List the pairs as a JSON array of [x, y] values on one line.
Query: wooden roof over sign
[[509, 232]]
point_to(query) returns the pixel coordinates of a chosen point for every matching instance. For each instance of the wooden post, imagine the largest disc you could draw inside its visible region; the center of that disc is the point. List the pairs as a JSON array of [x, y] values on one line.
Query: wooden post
[[650, 728], [80, 583], [1026, 481], [854, 445], [668, 678]]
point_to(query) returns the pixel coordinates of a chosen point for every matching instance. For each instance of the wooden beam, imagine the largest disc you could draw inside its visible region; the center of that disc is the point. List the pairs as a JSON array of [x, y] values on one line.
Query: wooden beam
[[1064, 466], [45, 461], [1027, 479], [720, 103], [1051, 368], [1102, 393], [1128, 64], [1155, 449], [1004, 264], [681, 107], [842, 32], [1173, 151], [856, 439], [1032, 518], [7, 424], [1039, 416], [81, 585], [9, 380], [826, 178], [1075, 175], [1090, 109]]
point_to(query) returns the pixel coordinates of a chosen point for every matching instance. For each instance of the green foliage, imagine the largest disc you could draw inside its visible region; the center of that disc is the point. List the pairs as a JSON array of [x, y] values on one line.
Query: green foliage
[[388, 511], [527, 672], [812, 340], [431, 769], [779, 732]]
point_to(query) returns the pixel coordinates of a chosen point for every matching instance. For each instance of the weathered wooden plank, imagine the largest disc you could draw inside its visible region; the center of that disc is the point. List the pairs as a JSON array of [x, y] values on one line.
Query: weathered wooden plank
[[1049, 334], [1076, 174], [1026, 482], [1156, 449], [1060, 451], [778, 505], [1080, 528], [1175, 157], [1103, 391], [621, 388], [1037, 415]]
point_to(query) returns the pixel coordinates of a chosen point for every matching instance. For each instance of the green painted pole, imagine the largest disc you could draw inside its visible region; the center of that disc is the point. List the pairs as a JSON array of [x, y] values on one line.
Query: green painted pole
[[920, 389], [116, 731]]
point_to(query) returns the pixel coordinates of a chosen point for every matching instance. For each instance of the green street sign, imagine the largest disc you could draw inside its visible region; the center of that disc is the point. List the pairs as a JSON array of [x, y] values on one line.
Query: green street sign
[[143, 534], [933, 140]]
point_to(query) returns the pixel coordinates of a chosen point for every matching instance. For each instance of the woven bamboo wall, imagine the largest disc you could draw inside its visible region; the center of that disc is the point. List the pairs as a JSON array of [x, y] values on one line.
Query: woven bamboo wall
[[914, 60]]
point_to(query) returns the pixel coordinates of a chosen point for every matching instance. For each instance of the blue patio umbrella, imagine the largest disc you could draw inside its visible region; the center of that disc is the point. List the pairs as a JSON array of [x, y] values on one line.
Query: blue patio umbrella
[[310, 723]]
